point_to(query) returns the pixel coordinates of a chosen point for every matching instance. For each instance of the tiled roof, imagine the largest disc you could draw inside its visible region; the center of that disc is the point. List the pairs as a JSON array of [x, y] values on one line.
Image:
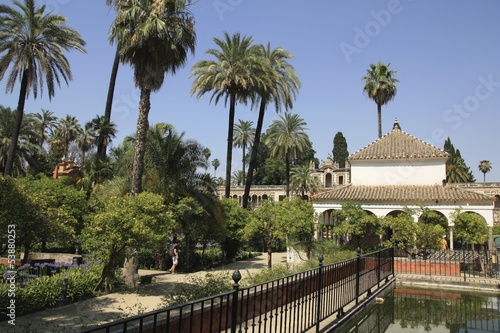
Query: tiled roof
[[397, 145], [407, 193]]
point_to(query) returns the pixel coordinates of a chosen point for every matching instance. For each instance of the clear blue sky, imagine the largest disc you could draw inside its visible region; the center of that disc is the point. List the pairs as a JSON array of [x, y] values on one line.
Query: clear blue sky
[[446, 54]]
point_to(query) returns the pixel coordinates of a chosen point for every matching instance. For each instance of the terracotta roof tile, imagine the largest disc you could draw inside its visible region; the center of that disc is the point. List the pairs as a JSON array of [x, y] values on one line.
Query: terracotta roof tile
[[397, 145], [407, 193]]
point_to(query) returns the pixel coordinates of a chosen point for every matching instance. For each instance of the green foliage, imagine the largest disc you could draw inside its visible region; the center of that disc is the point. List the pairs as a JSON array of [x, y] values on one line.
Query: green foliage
[[199, 287], [340, 152], [496, 229], [354, 221], [127, 221], [235, 218], [45, 292], [470, 226]]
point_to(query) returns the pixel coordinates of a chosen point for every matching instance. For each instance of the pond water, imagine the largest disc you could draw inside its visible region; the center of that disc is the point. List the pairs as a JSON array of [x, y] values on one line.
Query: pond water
[[419, 310]]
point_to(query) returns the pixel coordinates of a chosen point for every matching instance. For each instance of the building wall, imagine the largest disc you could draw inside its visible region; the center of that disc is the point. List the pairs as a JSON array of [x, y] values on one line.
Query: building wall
[[429, 172]]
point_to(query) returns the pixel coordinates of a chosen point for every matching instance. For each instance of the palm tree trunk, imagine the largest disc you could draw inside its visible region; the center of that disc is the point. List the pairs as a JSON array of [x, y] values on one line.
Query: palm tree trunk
[[101, 142], [17, 126], [379, 112], [140, 144], [253, 156], [287, 162], [243, 162], [232, 107]]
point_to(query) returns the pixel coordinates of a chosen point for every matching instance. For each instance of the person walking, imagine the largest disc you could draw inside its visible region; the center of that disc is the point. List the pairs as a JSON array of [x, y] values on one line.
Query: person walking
[[173, 252]]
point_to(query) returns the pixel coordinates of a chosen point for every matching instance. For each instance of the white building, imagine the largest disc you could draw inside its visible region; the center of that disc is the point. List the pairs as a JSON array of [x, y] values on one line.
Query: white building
[[397, 171]]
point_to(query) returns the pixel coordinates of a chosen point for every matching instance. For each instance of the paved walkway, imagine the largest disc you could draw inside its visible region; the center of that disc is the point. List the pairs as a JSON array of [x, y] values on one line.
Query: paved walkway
[[75, 317]]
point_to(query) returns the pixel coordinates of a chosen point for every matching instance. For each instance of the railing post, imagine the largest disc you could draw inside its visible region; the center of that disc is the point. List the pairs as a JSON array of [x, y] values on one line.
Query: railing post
[[358, 267], [463, 254], [234, 312], [320, 286], [378, 265]]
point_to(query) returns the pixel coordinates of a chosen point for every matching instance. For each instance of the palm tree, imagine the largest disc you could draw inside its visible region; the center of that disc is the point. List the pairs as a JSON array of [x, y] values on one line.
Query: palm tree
[[67, 132], [243, 135], [32, 43], [215, 164], [456, 170], [233, 76], [154, 37], [105, 131], [380, 87], [281, 90], [44, 122], [484, 167], [303, 181], [27, 151], [86, 140], [286, 138]]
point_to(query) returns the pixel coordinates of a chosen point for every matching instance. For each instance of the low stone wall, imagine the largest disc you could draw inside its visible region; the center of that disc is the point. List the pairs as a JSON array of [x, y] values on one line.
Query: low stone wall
[[67, 258], [408, 266]]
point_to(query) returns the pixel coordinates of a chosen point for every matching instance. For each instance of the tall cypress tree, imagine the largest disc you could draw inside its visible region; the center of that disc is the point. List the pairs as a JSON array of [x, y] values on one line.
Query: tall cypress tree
[[340, 153]]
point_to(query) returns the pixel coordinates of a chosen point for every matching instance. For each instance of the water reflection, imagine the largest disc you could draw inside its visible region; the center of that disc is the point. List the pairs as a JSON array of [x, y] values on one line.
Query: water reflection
[[418, 310]]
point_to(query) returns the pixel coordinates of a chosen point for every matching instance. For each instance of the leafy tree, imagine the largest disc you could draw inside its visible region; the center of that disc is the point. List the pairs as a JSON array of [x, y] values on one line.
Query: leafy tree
[[290, 219], [408, 234], [235, 218], [234, 75], [286, 138], [340, 153], [66, 133], [32, 44], [469, 226], [380, 86], [302, 180], [485, 167], [244, 134], [280, 88], [125, 221], [154, 37], [353, 221], [105, 131]]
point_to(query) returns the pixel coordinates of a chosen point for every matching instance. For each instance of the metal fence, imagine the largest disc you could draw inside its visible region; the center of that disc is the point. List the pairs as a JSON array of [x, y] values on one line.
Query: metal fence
[[295, 303], [465, 263]]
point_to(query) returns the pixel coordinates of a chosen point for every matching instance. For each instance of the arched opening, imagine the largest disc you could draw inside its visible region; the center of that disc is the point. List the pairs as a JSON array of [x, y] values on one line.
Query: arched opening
[[497, 201], [341, 180]]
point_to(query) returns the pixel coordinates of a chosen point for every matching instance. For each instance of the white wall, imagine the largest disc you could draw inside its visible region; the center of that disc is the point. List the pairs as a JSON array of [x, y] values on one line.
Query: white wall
[[392, 172]]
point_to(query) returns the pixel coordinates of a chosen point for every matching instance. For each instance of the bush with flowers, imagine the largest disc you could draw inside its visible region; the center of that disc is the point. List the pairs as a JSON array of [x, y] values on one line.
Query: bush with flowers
[[40, 286]]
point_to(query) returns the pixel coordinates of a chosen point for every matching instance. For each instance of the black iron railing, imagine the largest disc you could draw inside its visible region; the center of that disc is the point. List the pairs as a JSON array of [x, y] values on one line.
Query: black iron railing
[[460, 263], [295, 303]]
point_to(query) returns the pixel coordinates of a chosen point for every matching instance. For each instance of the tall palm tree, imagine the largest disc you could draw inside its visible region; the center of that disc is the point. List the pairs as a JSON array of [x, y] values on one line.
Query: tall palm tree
[[44, 122], [215, 164], [380, 87], [67, 132], [286, 138], [155, 38], [234, 75], [32, 43], [86, 139], [105, 131], [243, 136], [282, 88], [302, 180], [27, 151], [485, 167]]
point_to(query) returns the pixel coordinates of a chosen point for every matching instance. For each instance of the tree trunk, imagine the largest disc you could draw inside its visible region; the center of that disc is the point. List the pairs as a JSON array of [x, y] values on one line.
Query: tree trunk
[[379, 113], [140, 143], [131, 269], [17, 126], [232, 106], [253, 156], [101, 141], [269, 254], [287, 162]]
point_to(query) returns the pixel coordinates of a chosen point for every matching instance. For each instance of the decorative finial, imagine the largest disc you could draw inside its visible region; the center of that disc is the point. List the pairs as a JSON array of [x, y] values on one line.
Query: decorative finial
[[396, 125]]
